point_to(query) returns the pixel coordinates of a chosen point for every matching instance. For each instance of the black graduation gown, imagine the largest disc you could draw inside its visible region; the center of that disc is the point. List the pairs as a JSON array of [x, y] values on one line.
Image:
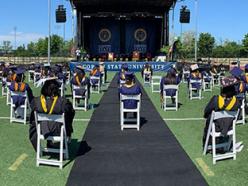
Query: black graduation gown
[[221, 125], [51, 128]]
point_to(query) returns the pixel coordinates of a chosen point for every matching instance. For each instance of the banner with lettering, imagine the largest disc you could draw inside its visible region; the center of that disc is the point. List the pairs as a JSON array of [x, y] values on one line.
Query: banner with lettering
[[116, 66]]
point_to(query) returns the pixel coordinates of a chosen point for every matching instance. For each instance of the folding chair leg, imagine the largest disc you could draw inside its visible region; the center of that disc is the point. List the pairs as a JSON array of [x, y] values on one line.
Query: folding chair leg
[[61, 149]]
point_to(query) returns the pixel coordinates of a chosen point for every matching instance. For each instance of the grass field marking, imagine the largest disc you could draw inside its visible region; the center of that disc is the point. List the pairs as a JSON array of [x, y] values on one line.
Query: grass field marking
[[183, 119], [204, 167], [81, 119], [4, 117], [18, 162]]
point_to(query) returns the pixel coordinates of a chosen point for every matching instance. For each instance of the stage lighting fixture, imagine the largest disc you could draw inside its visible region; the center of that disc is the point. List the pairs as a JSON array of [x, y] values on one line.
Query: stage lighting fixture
[[184, 15], [61, 14]]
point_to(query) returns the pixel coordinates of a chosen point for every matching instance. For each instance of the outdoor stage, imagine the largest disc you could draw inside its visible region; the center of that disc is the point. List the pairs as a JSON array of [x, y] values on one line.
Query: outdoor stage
[[132, 66]]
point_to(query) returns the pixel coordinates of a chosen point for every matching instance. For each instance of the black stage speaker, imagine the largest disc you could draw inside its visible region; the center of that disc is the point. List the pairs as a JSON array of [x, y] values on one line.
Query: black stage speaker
[[61, 14], [184, 15]]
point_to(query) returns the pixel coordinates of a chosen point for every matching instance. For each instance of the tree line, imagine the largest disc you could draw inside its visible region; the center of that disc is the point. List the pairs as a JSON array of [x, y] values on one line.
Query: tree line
[[207, 47], [59, 47]]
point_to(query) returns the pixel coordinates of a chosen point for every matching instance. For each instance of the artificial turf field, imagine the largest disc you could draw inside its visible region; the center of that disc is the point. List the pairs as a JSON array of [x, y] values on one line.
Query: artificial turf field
[[188, 129]]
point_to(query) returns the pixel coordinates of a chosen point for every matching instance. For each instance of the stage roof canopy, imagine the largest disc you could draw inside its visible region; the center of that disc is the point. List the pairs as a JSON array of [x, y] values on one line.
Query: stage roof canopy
[[93, 6]]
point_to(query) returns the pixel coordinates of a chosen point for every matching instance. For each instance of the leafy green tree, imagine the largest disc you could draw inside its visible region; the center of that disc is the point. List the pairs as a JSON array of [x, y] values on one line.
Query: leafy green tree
[[206, 44], [7, 48], [245, 44]]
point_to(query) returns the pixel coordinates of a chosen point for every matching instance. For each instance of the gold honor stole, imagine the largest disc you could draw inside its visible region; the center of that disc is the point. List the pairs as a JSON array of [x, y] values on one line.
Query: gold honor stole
[[43, 104]]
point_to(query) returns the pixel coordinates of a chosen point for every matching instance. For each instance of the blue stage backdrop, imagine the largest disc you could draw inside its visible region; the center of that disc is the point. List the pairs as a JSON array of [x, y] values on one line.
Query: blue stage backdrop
[[104, 36], [132, 66]]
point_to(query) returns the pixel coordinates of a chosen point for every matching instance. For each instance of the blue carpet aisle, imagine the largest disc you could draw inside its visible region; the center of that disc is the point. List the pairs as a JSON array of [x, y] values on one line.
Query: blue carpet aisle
[[150, 157]]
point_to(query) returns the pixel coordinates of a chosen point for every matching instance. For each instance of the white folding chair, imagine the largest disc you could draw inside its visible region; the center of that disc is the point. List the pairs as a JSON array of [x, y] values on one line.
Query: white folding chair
[[147, 77], [156, 83], [212, 133], [37, 77], [95, 88], [166, 105], [216, 80], [62, 139], [242, 113], [197, 91], [4, 87], [207, 85], [30, 75], [103, 77], [122, 82], [8, 99], [186, 74], [1, 76], [62, 87], [76, 97], [23, 108], [135, 122]]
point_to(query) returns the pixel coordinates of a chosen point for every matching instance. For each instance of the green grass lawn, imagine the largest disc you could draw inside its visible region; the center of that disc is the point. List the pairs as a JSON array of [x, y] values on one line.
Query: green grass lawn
[[14, 142], [189, 134]]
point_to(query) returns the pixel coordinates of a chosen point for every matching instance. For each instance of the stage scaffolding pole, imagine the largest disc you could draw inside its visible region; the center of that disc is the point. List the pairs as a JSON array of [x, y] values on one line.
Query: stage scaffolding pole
[[49, 33], [196, 28]]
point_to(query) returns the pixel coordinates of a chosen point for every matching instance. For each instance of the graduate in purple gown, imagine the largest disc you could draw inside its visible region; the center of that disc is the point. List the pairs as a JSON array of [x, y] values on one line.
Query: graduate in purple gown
[[121, 74], [171, 78], [130, 88], [95, 72], [80, 79], [19, 86], [147, 71], [195, 75]]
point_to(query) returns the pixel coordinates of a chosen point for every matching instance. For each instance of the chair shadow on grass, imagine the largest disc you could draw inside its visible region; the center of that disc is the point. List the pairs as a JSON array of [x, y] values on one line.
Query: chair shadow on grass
[[77, 148]]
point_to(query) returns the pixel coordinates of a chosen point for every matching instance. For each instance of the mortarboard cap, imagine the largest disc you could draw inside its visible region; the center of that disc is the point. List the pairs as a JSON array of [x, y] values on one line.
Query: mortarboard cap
[[236, 72], [228, 81]]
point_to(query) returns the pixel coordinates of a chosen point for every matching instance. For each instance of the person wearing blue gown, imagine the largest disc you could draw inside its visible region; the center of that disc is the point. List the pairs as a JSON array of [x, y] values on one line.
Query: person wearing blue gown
[[169, 79], [19, 86], [121, 74], [147, 71], [195, 75], [244, 78], [80, 79], [130, 88], [95, 72]]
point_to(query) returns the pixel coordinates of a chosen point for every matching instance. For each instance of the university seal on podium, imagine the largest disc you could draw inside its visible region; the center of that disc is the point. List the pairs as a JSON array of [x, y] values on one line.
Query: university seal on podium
[[140, 34], [104, 35]]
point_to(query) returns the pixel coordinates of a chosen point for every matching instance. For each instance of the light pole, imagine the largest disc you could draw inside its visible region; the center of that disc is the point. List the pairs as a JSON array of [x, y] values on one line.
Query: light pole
[[49, 33], [196, 28]]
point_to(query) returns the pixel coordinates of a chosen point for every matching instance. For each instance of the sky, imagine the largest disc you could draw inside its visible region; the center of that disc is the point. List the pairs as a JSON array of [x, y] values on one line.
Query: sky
[[224, 19]]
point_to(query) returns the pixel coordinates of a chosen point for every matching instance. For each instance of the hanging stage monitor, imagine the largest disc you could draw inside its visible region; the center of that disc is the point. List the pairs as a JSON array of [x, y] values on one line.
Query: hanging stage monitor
[[61, 14], [184, 15]]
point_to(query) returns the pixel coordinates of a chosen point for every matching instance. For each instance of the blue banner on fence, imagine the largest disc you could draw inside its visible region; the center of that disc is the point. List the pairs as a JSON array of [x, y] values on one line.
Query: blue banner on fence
[[116, 66]]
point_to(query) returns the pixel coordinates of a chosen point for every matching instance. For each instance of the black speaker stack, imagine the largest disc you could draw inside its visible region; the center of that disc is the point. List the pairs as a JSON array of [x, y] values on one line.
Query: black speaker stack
[[61, 14], [184, 15]]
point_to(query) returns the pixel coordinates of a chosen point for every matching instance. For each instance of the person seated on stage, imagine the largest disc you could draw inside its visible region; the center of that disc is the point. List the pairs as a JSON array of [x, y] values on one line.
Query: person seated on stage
[[195, 75], [169, 79], [147, 72], [130, 88], [19, 86], [121, 74], [80, 79], [95, 72], [225, 101], [50, 102]]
